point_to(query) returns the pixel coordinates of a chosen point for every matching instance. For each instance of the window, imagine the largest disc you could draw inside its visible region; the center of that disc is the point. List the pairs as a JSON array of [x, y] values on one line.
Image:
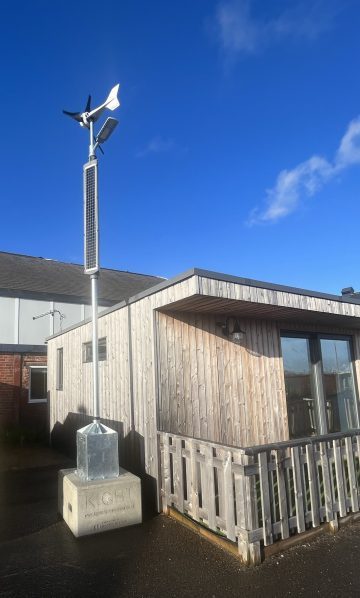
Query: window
[[37, 384], [319, 382], [87, 351], [59, 369]]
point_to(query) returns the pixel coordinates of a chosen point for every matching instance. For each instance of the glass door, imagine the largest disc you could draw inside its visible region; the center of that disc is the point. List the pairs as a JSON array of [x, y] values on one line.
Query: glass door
[[339, 388], [300, 387], [319, 383]]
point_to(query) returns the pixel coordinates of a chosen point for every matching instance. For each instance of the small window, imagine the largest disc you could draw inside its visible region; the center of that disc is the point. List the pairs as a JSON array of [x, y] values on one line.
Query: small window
[[59, 369], [37, 384], [87, 351]]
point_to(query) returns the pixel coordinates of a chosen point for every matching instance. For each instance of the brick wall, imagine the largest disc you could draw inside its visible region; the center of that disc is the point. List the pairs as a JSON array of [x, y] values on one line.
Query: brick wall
[[15, 409]]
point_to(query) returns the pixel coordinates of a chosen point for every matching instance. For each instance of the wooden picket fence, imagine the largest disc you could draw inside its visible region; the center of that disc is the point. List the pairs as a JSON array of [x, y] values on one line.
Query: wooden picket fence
[[257, 496]]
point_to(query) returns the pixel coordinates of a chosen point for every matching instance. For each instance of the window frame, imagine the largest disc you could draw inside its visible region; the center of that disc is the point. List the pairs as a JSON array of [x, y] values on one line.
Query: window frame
[[31, 368], [318, 372], [60, 368], [88, 345]]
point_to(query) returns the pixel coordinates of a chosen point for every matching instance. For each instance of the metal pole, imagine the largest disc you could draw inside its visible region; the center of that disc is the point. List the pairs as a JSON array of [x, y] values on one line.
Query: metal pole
[[94, 312], [91, 146], [95, 347]]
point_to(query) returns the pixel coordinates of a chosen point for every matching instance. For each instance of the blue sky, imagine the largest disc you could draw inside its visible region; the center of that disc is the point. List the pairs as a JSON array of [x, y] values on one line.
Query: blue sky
[[238, 148]]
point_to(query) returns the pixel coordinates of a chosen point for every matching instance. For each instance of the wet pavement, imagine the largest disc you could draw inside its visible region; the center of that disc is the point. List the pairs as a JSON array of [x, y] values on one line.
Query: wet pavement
[[39, 556]]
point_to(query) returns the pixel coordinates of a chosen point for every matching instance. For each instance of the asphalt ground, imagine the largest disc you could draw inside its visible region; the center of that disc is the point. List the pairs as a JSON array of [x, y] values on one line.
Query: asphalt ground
[[39, 556]]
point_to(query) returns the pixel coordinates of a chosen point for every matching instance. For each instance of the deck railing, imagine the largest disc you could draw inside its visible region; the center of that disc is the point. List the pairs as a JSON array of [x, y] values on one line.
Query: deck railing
[[259, 495]]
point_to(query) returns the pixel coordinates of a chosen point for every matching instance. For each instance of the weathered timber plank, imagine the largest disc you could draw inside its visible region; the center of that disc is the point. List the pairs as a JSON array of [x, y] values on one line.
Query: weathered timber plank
[[339, 478], [265, 498], [352, 476], [228, 489], [178, 475], [208, 469], [194, 481], [166, 471], [313, 486], [219, 474], [186, 452], [298, 490], [328, 497], [283, 510], [201, 389]]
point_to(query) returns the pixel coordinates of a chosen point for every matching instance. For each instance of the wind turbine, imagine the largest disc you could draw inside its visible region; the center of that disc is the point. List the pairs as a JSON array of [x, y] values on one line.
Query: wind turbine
[[84, 118], [97, 453]]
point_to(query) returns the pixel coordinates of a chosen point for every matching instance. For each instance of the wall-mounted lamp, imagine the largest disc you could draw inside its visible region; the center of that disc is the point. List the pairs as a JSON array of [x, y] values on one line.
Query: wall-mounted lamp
[[231, 329]]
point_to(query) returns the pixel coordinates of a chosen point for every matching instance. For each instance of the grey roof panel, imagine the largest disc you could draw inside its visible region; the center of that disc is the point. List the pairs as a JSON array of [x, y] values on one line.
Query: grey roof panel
[[21, 274]]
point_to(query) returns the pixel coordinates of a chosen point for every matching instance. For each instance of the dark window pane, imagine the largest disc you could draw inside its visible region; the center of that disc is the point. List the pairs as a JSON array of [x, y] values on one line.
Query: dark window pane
[[60, 369], [299, 385], [102, 349], [38, 384], [87, 351], [339, 387]]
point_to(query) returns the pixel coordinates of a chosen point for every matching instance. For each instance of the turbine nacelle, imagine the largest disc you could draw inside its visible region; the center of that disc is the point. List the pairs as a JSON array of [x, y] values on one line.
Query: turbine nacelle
[[84, 118]]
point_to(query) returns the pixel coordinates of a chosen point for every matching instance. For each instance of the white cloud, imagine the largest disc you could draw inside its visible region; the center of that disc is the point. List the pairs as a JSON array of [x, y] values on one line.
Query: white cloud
[[157, 145], [239, 31], [236, 29], [349, 148], [307, 178]]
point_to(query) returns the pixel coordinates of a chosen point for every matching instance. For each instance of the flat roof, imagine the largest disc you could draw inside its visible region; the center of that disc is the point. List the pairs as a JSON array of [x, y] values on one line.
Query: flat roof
[[221, 277]]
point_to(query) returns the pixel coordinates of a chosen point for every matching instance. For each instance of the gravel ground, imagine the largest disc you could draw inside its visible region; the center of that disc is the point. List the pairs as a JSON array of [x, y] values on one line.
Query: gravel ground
[[40, 557]]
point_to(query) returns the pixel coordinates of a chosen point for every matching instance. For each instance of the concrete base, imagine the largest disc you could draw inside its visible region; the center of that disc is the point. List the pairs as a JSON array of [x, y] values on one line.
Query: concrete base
[[90, 507]]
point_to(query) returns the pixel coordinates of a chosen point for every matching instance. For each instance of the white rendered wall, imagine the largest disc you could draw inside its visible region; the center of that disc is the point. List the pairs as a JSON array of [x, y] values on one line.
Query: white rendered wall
[[33, 332], [7, 320], [72, 313], [18, 327]]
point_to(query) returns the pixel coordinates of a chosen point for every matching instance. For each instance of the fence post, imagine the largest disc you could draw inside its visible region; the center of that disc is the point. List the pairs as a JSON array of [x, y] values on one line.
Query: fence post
[[352, 475], [178, 475], [331, 517], [194, 482], [283, 508], [210, 486], [265, 498], [249, 550], [228, 491], [166, 473]]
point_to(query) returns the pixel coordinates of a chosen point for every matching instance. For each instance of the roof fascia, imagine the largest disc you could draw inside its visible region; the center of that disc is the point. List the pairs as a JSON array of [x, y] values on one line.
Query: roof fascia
[[272, 286], [215, 276]]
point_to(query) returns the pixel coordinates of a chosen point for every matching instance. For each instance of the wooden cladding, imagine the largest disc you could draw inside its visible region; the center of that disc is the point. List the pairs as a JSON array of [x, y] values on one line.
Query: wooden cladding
[[214, 389]]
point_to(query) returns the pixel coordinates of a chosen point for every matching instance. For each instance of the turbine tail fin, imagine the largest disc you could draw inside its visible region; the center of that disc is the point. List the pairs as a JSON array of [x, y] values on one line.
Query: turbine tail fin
[[112, 101]]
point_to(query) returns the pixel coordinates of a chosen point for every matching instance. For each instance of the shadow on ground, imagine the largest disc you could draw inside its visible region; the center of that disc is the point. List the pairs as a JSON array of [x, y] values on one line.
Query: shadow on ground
[[40, 557]]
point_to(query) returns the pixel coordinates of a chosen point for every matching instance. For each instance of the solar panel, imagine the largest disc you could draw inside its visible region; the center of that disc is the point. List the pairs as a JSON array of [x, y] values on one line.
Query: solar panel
[[91, 218]]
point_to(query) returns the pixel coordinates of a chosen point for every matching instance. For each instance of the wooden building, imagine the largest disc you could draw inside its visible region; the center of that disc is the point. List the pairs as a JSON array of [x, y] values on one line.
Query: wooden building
[[236, 400], [232, 362]]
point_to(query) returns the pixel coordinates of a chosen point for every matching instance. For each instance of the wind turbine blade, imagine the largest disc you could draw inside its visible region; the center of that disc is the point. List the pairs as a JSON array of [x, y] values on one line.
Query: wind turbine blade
[[88, 104], [71, 113], [74, 115]]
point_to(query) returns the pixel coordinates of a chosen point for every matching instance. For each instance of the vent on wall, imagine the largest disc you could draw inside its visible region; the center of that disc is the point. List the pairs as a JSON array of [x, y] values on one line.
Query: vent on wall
[[91, 218]]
